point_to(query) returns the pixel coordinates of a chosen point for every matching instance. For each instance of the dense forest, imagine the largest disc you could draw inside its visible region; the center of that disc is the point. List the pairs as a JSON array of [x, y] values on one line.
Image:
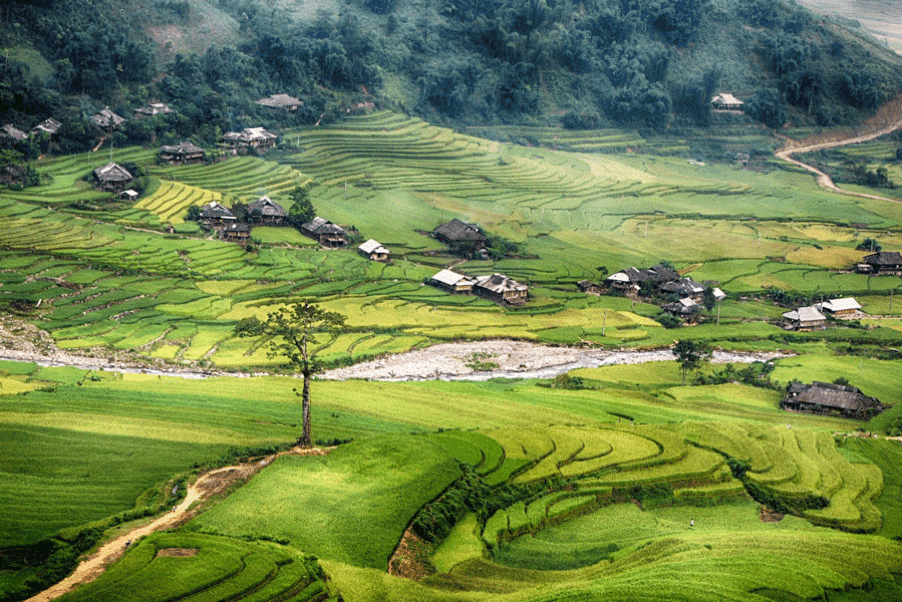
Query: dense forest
[[651, 64]]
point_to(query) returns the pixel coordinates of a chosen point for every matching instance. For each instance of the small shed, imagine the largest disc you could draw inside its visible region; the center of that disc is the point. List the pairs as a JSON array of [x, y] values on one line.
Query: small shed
[[215, 215], [452, 282], [152, 110], [827, 398], [804, 319], [107, 120], [325, 232], [281, 101], [371, 249], [267, 212], [183, 153], [726, 102], [239, 233], [847, 306], [719, 295], [112, 177], [250, 138], [589, 287], [457, 233], [501, 289], [128, 195]]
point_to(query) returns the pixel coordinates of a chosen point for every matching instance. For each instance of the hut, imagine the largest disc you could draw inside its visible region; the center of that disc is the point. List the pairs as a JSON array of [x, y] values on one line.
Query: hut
[[281, 101], [685, 287], [726, 102], [49, 126], [152, 110], [267, 212], [589, 287], [183, 153], [11, 135], [685, 308], [845, 307], [107, 120], [827, 398], [112, 177], [128, 195], [257, 139], [325, 232], [501, 289], [216, 216], [452, 282], [804, 319], [460, 234], [373, 250], [885, 262], [240, 233]]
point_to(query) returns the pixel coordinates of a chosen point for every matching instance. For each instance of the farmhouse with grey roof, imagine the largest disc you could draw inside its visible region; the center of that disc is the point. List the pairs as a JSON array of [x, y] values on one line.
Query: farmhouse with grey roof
[[456, 233], [885, 262], [371, 249], [281, 101], [183, 153], [48, 126], [501, 289], [215, 215], [804, 319], [250, 138], [452, 282], [325, 232], [267, 212], [846, 306], [726, 102], [827, 398], [107, 120], [112, 177], [152, 110]]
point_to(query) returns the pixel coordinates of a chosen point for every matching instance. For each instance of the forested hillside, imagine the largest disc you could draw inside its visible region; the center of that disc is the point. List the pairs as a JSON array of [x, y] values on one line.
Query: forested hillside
[[651, 64]]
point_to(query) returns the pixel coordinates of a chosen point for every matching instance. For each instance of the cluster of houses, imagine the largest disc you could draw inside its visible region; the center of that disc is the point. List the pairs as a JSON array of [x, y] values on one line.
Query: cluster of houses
[[830, 399], [495, 287]]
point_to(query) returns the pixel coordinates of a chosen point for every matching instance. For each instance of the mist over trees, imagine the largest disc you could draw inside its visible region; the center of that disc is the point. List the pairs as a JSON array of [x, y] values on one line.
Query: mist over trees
[[650, 64]]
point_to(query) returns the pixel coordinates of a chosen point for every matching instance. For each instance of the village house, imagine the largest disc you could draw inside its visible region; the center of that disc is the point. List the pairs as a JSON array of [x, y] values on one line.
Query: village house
[[152, 110], [719, 295], [240, 233], [589, 287], [452, 282], [112, 178], [844, 307], [685, 287], [885, 262], [685, 308], [129, 195], [267, 212], [281, 101], [257, 139], [107, 120], [11, 136], [183, 153], [726, 102], [501, 289], [804, 319], [630, 280], [325, 232], [49, 126], [460, 234], [373, 250], [827, 398], [216, 216]]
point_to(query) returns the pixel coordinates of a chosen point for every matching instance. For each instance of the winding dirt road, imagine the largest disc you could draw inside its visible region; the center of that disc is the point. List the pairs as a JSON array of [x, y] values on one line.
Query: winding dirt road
[[887, 120]]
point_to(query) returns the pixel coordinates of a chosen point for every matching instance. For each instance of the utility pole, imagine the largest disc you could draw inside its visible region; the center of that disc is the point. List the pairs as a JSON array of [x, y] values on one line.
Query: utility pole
[[603, 319]]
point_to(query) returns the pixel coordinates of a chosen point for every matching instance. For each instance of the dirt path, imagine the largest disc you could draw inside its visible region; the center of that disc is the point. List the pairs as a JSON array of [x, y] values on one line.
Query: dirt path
[[887, 120], [208, 484]]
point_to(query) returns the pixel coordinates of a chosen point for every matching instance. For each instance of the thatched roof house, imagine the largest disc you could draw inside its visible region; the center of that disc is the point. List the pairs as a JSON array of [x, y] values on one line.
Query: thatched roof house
[[885, 262], [685, 287], [827, 398], [12, 135], [804, 319], [371, 249], [685, 308], [281, 101], [183, 153], [840, 307], [456, 233], [452, 282], [325, 232], [216, 215], [112, 177], [49, 126], [256, 138], [236, 233], [152, 110], [107, 120], [266, 211], [501, 289], [726, 102], [589, 287]]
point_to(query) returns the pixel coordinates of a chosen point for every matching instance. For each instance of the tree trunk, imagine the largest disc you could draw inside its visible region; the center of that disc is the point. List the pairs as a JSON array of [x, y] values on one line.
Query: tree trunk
[[306, 439]]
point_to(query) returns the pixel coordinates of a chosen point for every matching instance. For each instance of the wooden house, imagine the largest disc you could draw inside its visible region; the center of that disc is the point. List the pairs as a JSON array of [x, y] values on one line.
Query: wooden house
[[240, 233], [885, 262], [267, 212], [152, 110], [373, 250], [501, 289], [107, 120], [11, 136], [685, 308], [112, 178], [685, 287], [281, 101], [589, 287], [250, 138], [183, 153], [452, 282], [726, 102], [844, 307], [804, 319], [49, 126], [128, 195], [457, 234], [831, 399], [216, 216], [325, 232]]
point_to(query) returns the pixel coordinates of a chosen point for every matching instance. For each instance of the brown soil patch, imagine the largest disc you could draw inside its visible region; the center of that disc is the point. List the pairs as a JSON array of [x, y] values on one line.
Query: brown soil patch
[[177, 552], [769, 516], [411, 558]]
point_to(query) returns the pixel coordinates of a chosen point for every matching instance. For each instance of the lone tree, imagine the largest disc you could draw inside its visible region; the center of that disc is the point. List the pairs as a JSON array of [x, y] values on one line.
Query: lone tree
[[291, 330], [690, 355], [301, 210]]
